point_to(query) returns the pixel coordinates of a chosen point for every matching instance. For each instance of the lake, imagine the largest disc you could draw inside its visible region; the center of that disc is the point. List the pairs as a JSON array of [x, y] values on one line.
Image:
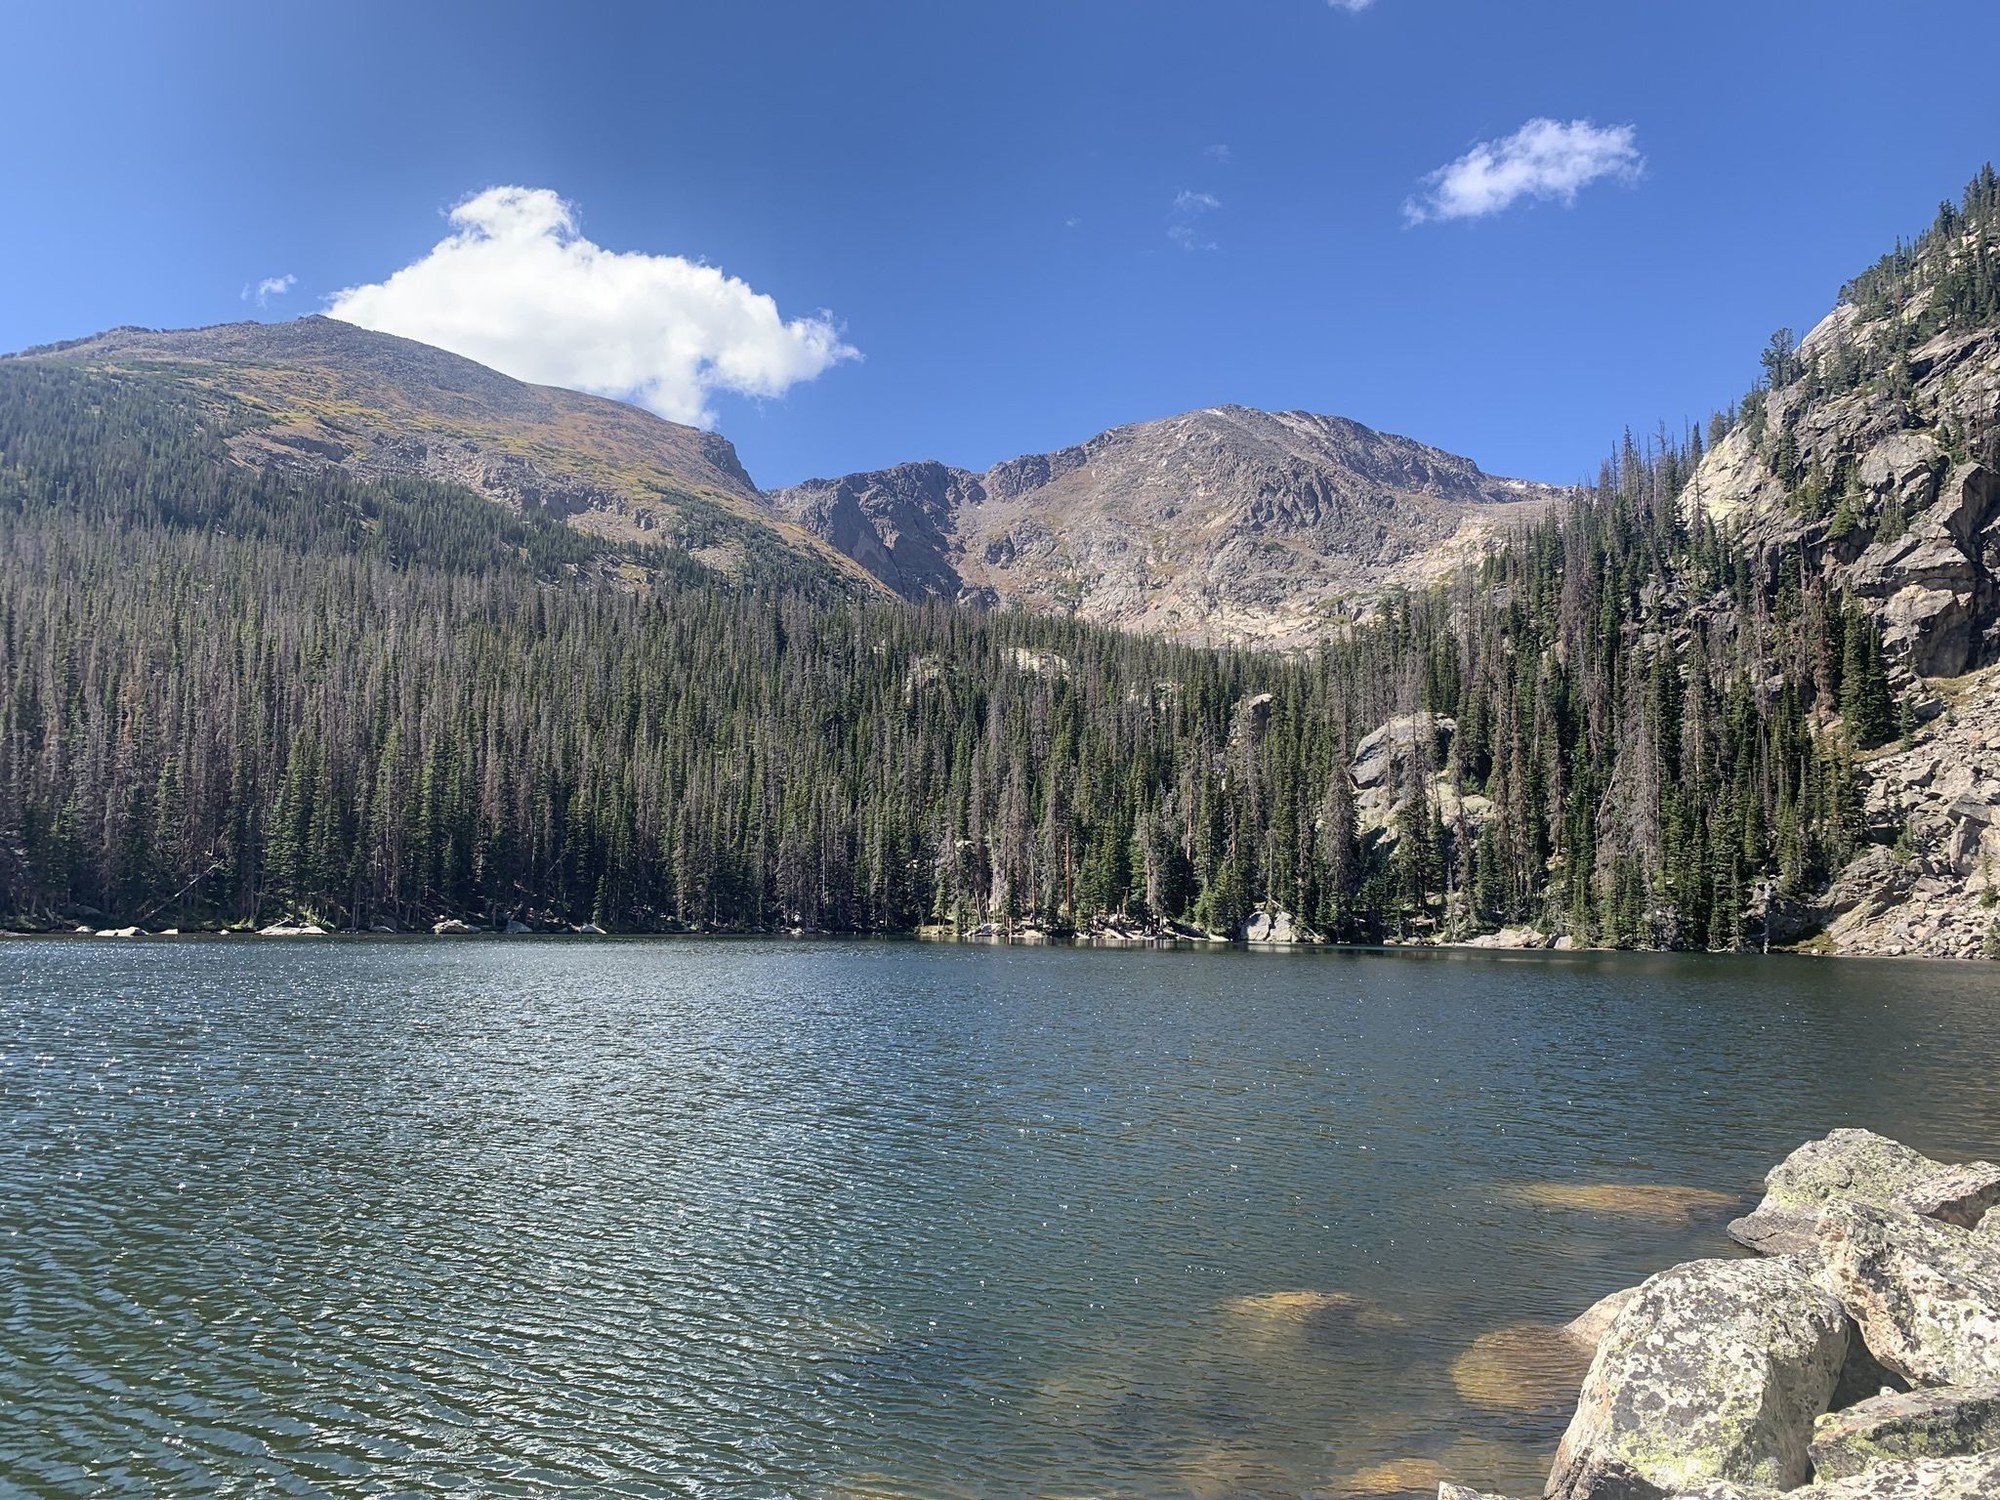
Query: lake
[[819, 1219]]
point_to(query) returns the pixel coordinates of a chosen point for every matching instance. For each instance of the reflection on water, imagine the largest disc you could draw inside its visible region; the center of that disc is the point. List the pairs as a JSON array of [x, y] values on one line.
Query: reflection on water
[[877, 1220]]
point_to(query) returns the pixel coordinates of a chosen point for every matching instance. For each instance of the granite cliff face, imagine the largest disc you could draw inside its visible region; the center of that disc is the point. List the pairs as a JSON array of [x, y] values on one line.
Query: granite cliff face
[[1888, 486], [1225, 525], [319, 392]]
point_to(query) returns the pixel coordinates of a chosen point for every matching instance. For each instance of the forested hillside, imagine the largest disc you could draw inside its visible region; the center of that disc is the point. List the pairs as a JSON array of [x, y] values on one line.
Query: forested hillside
[[233, 692]]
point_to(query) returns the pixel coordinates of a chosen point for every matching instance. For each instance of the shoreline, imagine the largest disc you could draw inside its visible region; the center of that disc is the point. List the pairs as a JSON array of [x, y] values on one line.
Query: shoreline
[[1163, 943]]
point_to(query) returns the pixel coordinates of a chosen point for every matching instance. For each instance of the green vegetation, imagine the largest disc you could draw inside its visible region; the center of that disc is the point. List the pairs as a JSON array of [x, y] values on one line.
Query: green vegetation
[[231, 694]]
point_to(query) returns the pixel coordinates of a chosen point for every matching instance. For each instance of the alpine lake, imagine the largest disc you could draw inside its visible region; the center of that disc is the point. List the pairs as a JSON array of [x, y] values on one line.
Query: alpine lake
[[867, 1220]]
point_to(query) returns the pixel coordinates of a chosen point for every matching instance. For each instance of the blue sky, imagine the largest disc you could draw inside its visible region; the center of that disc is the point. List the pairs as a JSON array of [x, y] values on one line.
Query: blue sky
[[966, 231]]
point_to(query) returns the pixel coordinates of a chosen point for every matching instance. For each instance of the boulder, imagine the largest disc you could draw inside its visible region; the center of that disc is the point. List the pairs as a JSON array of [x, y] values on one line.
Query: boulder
[[1926, 1295], [516, 927], [1974, 1478], [1449, 1491], [1858, 1166], [452, 927], [1589, 1327], [1947, 1422], [1714, 1372]]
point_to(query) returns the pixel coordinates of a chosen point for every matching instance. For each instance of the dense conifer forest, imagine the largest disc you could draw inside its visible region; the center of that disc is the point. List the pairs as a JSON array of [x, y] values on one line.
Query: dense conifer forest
[[233, 694]]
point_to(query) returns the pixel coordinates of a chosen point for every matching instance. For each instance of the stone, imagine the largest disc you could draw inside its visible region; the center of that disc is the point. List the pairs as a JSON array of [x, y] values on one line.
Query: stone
[[1714, 1372], [452, 927], [292, 929], [1659, 1203], [1527, 1368], [1926, 1295], [1861, 1167], [1971, 1478], [516, 927], [1450, 1491], [1589, 1327], [1944, 1422]]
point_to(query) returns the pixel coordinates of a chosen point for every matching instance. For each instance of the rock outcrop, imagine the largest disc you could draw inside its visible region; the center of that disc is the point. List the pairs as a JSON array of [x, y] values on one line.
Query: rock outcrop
[[1715, 1371], [1926, 1295], [1858, 1166], [1928, 884], [1220, 525], [1943, 1422]]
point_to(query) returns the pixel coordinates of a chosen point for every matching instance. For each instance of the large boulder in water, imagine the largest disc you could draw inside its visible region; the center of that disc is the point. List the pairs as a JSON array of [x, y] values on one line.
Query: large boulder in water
[[1926, 1295], [1713, 1373], [1948, 1422], [1858, 1166]]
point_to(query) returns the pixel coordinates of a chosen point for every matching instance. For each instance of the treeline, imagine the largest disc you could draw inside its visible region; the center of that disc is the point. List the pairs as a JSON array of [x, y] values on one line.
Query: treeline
[[231, 694]]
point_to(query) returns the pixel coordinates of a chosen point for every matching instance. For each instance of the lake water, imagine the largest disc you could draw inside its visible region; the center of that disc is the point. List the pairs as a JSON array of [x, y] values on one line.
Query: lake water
[[716, 1218]]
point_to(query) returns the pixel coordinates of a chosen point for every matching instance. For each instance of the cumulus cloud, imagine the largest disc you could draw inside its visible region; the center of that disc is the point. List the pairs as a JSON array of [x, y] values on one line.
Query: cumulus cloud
[[1544, 159], [517, 286], [271, 286]]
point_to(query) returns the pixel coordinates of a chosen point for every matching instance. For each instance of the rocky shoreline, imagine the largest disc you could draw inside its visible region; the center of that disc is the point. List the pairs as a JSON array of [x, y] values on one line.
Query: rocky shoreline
[[1856, 1356]]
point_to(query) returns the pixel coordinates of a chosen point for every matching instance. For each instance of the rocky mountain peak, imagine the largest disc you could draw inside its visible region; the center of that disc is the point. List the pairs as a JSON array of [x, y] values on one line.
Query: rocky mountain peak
[[1225, 523]]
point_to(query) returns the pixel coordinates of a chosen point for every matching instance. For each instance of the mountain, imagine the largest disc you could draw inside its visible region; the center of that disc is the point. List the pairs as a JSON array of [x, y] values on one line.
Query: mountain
[[1227, 525], [269, 648], [318, 393], [1866, 467]]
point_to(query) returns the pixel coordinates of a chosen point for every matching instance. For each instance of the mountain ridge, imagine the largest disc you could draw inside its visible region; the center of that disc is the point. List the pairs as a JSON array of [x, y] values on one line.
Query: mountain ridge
[[1224, 523]]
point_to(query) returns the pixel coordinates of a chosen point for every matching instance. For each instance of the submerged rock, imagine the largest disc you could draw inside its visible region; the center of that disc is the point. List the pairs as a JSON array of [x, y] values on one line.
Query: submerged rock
[[1714, 1372], [1402, 1476], [1661, 1204], [1948, 1422], [1528, 1368], [1273, 1311], [1926, 1295], [1858, 1166]]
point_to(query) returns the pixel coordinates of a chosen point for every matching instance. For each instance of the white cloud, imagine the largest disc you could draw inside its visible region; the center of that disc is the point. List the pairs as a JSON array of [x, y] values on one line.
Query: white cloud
[[1220, 154], [1353, 7], [1188, 209], [271, 286], [517, 286], [1544, 159]]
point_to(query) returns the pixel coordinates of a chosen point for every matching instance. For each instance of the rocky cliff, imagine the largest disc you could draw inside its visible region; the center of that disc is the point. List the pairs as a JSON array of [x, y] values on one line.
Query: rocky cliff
[[1223, 525], [1870, 461]]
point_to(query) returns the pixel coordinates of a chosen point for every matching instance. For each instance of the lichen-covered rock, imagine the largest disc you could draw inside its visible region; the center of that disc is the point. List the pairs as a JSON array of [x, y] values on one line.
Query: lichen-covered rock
[[1589, 1327], [1973, 1478], [1715, 1372], [1858, 1166], [1926, 1295], [1948, 1422]]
